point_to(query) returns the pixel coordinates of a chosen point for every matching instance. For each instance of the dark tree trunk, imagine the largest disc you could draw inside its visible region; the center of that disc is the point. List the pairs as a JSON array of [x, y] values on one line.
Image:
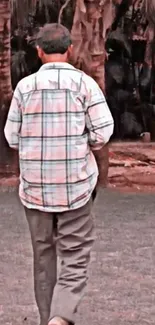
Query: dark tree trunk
[[5, 81]]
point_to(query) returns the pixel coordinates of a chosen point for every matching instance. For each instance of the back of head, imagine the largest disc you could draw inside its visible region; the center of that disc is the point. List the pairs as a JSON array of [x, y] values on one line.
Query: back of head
[[54, 39]]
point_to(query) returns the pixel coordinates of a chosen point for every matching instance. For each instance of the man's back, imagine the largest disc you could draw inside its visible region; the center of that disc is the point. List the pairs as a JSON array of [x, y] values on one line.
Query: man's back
[[57, 115], [58, 170]]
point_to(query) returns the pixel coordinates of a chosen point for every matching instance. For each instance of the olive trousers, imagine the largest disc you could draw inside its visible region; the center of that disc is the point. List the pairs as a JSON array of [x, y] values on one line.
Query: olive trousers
[[69, 235]]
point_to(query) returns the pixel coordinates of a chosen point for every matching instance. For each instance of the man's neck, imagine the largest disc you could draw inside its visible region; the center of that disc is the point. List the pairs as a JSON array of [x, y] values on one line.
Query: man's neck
[[55, 58]]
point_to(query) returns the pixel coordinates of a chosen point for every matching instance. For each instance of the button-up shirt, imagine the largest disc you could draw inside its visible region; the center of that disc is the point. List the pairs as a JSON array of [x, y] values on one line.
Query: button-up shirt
[[58, 116]]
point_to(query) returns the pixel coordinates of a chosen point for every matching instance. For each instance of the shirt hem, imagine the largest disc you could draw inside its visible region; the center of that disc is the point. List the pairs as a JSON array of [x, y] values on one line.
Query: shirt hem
[[57, 209]]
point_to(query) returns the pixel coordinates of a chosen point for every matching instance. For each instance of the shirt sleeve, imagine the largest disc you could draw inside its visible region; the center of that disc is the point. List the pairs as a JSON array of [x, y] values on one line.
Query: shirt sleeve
[[14, 120], [99, 121]]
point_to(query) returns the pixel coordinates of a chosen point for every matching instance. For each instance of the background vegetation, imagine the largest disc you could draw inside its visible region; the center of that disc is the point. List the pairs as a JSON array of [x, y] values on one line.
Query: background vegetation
[[112, 38]]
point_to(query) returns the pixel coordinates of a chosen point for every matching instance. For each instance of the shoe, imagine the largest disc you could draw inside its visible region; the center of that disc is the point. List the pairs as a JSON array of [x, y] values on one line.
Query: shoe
[[58, 321]]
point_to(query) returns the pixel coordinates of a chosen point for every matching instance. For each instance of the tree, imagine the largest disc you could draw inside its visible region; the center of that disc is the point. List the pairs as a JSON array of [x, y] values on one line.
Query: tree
[[92, 22], [5, 75]]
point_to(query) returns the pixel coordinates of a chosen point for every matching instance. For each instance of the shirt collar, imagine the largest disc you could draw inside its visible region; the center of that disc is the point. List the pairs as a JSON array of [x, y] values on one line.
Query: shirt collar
[[56, 65]]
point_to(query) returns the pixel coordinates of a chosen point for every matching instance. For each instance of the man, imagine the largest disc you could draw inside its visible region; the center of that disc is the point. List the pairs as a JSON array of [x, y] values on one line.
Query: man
[[59, 121]]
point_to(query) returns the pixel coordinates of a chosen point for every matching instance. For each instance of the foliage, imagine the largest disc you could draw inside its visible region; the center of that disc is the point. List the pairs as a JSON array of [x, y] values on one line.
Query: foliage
[[130, 69], [120, 30]]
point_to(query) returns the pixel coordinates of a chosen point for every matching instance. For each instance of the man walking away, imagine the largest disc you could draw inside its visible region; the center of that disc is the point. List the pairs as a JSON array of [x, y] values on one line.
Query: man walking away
[[60, 122]]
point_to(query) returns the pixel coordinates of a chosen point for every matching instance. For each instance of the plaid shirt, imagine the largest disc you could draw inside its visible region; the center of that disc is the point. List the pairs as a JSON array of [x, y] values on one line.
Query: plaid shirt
[[58, 116]]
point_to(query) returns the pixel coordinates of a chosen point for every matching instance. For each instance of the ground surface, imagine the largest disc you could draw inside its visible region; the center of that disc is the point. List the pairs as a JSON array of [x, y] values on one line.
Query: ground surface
[[132, 166], [121, 289]]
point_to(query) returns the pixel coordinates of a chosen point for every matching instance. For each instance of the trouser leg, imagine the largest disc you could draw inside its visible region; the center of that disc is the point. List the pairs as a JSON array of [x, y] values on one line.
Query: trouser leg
[[45, 261], [75, 241]]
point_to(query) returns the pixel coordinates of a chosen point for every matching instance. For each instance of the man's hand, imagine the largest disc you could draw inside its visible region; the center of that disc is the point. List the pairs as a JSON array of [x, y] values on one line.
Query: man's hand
[[102, 160]]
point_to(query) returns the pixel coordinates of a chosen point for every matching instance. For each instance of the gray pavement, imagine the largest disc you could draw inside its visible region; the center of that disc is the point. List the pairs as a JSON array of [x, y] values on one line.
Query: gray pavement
[[121, 288]]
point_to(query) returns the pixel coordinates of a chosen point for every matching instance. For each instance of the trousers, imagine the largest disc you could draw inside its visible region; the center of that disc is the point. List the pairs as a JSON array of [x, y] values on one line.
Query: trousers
[[69, 235]]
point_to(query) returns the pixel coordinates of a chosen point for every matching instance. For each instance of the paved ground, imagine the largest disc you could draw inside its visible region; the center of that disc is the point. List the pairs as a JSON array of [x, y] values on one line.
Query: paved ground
[[122, 273]]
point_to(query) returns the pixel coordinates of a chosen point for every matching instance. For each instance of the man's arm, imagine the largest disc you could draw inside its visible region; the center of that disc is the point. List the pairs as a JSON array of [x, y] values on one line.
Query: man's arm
[[100, 125], [14, 120], [102, 159]]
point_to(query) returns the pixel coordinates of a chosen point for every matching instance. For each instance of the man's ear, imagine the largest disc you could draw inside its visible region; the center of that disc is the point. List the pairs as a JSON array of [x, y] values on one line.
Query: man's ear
[[70, 51], [39, 51]]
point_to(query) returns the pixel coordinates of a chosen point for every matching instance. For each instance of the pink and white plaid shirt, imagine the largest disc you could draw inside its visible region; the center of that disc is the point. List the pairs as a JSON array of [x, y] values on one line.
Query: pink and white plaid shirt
[[58, 116]]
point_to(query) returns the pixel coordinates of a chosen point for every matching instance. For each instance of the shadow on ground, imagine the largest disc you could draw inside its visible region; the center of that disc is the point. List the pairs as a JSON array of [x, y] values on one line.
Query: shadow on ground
[[121, 289]]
